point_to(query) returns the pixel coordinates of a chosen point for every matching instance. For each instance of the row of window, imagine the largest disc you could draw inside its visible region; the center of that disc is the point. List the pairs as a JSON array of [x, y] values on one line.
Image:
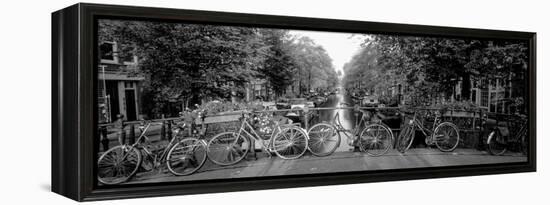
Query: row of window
[[110, 52]]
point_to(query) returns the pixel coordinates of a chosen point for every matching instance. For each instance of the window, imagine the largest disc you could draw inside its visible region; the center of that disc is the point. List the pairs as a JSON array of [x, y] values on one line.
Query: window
[[484, 98], [502, 83], [108, 52], [492, 107], [128, 85], [501, 102], [493, 83], [474, 96], [484, 83], [127, 55]]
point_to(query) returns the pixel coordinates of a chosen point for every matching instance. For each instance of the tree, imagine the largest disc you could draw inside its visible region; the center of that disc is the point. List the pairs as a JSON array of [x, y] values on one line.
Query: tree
[[315, 70], [189, 62], [279, 64], [429, 67]]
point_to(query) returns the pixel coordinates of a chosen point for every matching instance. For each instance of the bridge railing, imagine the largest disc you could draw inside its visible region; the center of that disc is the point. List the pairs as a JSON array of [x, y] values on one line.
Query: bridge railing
[[468, 121]]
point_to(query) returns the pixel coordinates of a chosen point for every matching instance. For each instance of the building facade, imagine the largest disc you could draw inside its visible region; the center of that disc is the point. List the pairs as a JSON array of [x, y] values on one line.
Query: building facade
[[118, 84], [492, 94]]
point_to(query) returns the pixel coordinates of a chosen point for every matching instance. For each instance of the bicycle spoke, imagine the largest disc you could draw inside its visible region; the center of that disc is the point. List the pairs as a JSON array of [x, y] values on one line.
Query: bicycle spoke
[[323, 139], [117, 165], [107, 160], [292, 145], [328, 133], [446, 137], [291, 150], [279, 145], [292, 134], [183, 157], [317, 143]]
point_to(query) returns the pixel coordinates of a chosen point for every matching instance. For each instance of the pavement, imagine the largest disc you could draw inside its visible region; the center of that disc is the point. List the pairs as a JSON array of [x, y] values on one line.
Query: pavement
[[343, 161]]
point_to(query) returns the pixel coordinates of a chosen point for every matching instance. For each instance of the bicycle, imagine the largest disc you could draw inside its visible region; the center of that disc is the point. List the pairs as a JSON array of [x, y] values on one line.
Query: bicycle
[[498, 143], [191, 149], [228, 148], [195, 143], [375, 139], [444, 135], [120, 163]]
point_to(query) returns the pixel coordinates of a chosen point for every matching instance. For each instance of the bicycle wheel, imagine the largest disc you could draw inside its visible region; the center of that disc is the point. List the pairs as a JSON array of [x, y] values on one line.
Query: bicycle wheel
[[290, 143], [446, 137], [118, 164], [227, 148], [405, 138], [186, 157], [496, 143], [375, 139], [323, 139]]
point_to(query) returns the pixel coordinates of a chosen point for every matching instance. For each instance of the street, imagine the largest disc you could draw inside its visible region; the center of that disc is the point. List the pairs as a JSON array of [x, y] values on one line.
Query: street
[[340, 161]]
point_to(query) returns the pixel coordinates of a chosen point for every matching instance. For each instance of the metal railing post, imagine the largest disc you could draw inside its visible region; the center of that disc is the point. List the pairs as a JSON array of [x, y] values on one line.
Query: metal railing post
[[122, 136], [163, 129], [169, 131], [480, 130], [132, 134], [104, 140], [306, 121]]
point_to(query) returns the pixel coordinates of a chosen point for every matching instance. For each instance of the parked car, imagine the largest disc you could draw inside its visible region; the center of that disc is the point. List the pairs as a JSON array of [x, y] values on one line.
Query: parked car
[[318, 100], [369, 101], [282, 103], [300, 103], [269, 105]]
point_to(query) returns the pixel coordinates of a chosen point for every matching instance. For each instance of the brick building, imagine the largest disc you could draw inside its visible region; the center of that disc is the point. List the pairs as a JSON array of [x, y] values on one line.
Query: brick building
[[118, 83]]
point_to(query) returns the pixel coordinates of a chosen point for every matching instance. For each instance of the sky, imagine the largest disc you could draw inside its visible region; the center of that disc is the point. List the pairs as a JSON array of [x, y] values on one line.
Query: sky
[[340, 46]]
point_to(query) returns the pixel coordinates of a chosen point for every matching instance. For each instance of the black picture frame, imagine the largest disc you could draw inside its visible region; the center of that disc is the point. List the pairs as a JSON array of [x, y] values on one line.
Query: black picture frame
[[74, 109]]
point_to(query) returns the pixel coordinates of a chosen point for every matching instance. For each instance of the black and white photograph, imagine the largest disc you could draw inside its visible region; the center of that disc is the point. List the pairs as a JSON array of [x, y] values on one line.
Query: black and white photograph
[[179, 102]]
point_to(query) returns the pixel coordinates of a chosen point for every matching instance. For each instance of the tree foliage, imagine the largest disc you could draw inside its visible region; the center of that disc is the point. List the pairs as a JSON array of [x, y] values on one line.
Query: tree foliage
[[430, 68], [279, 62], [187, 61], [194, 63], [315, 65]]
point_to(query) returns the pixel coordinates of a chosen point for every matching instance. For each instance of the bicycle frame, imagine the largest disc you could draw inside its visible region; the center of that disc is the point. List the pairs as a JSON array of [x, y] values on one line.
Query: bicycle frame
[[156, 158], [253, 135], [428, 133], [521, 133], [340, 128], [147, 159], [516, 138]]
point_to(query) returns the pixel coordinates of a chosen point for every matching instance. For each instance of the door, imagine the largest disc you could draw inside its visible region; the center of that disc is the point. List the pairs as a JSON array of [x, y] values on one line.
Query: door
[[112, 92], [131, 105]]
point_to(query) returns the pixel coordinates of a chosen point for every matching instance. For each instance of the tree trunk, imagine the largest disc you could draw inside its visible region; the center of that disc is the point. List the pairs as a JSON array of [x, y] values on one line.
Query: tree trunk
[[309, 82]]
